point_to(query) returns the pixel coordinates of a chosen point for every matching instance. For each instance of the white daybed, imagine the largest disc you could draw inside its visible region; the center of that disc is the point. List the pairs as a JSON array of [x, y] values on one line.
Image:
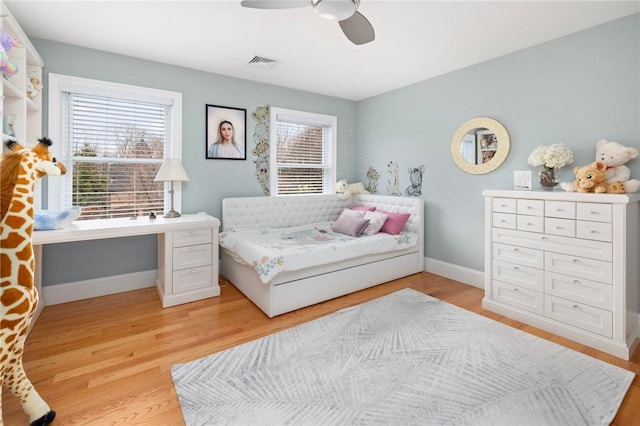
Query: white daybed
[[291, 290]]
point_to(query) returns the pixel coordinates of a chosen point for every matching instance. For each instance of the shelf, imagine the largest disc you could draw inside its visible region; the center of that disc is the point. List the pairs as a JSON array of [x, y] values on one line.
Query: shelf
[[9, 90]]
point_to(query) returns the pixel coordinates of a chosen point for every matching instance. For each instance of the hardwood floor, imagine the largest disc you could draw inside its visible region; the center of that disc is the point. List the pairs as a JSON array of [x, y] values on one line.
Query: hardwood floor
[[107, 360]]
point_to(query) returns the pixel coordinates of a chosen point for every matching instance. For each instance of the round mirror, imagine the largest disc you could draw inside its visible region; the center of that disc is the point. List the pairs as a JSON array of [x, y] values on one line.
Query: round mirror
[[480, 145]]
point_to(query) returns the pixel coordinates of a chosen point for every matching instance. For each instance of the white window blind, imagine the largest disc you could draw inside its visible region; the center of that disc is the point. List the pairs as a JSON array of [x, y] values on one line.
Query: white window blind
[[303, 157], [114, 147]]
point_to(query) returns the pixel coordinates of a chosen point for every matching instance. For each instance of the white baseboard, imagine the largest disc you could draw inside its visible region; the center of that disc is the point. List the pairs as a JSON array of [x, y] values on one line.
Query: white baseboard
[[69, 292], [455, 272]]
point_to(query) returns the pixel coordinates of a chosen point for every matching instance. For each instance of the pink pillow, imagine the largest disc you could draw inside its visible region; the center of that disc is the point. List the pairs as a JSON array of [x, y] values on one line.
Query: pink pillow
[[395, 222], [363, 208]]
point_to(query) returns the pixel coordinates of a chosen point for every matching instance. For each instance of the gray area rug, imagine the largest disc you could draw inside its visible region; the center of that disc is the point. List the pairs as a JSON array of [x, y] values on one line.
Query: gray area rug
[[403, 359]]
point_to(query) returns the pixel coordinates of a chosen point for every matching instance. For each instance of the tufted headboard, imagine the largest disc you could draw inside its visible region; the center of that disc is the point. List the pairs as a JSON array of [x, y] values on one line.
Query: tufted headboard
[[293, 210]]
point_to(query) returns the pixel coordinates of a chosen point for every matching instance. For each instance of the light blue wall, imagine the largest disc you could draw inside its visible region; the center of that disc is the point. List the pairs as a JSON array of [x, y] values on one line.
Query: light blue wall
[[211, 180], [575, 90]]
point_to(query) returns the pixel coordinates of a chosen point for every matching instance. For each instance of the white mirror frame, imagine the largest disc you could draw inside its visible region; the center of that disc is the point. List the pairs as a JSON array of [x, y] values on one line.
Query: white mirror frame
[[500, 155]]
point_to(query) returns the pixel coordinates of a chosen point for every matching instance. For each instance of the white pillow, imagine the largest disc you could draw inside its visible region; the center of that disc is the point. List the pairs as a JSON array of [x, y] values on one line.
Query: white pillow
[[376, 220]]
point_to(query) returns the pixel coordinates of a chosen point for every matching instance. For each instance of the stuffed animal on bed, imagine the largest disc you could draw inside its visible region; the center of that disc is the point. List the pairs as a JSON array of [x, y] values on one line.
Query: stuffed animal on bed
[[346, 190], [48, 219]]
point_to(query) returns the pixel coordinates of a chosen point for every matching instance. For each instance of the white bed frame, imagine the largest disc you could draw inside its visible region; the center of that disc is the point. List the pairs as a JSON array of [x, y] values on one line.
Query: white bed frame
[[294, 290]]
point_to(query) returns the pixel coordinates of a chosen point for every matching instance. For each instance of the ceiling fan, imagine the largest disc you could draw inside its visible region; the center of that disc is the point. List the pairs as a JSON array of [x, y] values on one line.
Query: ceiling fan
[[353, 24]]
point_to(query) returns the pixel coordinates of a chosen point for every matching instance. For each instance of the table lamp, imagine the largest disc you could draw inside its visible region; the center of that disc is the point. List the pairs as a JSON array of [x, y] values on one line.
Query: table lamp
[[171, 170]]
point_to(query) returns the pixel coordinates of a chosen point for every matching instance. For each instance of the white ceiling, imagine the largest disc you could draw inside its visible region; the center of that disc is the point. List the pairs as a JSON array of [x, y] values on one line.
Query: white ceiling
[[415, 40]]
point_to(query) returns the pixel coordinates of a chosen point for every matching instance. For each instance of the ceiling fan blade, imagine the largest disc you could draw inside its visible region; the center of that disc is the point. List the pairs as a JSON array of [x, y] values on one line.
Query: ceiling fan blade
[[358, 29], [275, 4]]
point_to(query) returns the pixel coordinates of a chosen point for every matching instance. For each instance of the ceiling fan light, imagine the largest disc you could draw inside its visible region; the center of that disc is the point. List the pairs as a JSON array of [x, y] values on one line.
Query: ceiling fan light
[[338, 10]]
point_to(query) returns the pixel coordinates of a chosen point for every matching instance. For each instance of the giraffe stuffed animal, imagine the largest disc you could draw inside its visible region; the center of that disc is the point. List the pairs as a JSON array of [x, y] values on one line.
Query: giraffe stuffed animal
[[20, 169]]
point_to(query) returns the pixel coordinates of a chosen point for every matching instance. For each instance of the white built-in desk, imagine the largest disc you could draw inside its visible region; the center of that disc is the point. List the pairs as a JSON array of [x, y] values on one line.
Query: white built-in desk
[[187, 251]]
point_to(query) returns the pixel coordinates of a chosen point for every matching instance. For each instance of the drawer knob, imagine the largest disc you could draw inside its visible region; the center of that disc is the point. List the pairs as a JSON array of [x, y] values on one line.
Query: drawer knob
[[529, 208], [576, 307], [559, 210], [516, 249], [593, 212], [576, 281], [576, 260], [516, 290], [503, 221], [559, 227], [516, 268], [503, 205], [593, 231], [544, 238], [529, 224]]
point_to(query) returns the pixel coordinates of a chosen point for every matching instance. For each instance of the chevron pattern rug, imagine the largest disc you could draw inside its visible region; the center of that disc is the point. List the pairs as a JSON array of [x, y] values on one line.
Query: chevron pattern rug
[[403, 359]]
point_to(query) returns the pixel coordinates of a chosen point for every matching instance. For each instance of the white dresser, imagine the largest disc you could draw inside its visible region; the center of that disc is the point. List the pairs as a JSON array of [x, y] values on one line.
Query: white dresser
[[566, 263]]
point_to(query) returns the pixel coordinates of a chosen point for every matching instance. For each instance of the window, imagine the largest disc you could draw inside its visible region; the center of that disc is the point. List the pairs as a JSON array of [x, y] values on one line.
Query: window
[[303, 156], [113, 139]]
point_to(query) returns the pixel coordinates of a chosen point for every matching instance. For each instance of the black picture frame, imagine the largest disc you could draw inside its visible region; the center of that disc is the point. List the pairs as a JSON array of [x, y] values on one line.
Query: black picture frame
[[218, 116]]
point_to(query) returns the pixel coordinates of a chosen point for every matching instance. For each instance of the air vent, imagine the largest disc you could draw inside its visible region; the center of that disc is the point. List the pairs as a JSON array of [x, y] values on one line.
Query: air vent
[[262, 62]]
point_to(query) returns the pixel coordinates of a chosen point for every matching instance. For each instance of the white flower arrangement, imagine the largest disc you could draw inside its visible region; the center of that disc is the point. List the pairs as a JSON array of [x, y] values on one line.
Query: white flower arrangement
[[552, 156]]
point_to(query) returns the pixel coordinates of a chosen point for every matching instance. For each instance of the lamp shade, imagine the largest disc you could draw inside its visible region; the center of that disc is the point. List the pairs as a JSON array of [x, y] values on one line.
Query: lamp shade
[[171, 170]]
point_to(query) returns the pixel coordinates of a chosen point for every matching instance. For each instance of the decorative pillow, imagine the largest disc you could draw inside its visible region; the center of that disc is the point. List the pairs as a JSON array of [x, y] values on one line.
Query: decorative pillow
[[363, 208], [350, 223], [376, 220], [395, 222]]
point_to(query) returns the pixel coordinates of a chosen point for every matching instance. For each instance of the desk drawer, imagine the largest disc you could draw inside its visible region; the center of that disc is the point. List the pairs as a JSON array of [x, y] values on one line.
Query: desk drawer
[[504, 205], [595, 212], [599, 231], [556, 226], [504, 220], [191, 279], [519, 297], [530, 223], [579, 315], [531, 207], [190, 238], [518, 275], [560, 209], [191, 257], [519, 255], [575, 266], [592, 293]]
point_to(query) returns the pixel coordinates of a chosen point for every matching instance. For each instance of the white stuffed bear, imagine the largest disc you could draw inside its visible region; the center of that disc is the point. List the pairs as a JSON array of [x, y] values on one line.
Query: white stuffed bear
[[346, 190], [614, 155]]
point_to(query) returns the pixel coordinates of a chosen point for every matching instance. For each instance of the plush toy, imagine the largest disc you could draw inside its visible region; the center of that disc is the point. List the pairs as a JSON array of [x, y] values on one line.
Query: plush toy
[[48, 219], [615, 155], [7, 42], [346, 190], [34, 86], [592, 178]]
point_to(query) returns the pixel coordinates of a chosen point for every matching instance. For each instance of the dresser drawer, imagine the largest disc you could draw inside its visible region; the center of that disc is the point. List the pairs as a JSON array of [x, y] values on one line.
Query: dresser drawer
[[518, 255], [581, 267], [561, 209], [530, 223], [190, 238], [518, 275], [592, 293], [555, 226], [595, 212], [579, 315], [192, 279], [531, 207], [599, 231], [585, 248], [191, 256], [504, 205], [518, 297], [504, 220]]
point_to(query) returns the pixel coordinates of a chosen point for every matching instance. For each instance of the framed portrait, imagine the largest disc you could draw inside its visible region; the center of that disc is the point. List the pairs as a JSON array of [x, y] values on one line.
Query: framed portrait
[[226, 133]]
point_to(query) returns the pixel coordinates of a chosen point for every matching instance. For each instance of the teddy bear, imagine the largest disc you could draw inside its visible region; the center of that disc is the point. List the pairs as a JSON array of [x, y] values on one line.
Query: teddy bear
[[346, 190], [592, 178], [615, 155]]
